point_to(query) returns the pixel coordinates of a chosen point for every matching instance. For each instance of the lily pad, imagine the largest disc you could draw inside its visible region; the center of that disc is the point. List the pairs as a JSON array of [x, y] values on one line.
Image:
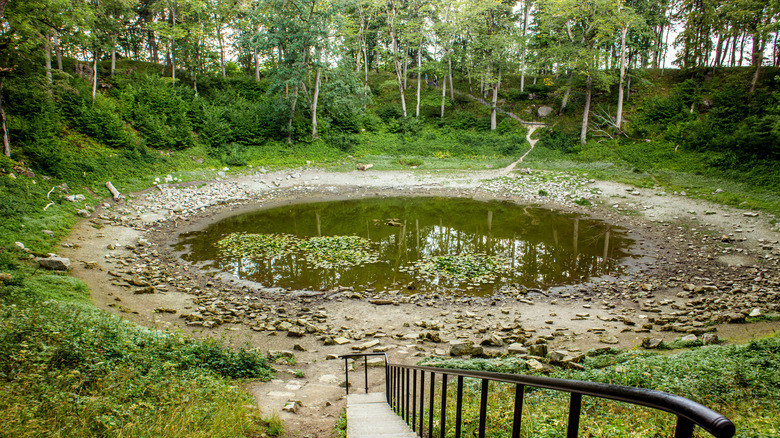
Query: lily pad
[[330, 251], [257, 245], [475, 268]]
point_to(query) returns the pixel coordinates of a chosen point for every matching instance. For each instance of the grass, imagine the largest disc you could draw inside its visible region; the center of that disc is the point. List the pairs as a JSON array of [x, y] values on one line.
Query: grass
[[739, 381]]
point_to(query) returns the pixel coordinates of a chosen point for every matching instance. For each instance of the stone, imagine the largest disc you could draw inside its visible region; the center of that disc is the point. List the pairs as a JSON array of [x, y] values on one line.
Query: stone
[[516, 348], [538, 350], [494, 340], [537, 366], [330, 379], [544, 111], [296, 332], [291, 407], [609, 340], [365, 345], [54, 263], [652, 342], [689, 338], [283, 326], [755, 313], [341, 341], [710, 339], [299, 347], [465, 348], [83, 213], [376, 362]]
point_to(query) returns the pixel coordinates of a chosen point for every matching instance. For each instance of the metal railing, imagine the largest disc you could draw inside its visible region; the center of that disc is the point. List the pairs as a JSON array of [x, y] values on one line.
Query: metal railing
[[405, 387]]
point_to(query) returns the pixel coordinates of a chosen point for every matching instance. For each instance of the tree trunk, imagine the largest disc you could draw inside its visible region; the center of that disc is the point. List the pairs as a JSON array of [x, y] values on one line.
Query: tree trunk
[[734, 51], [494, 106], [758, 59], [443, 95], [586, 112], [452, 84], [153, 48], [58, 51], [619, 119], [3, 126], [566, 94], [94, 76], [3, 3], [526, 4], [113, 56], [292, 114], [314, 134], [221, 52], [419, 77], [257, 65], [47, 55]]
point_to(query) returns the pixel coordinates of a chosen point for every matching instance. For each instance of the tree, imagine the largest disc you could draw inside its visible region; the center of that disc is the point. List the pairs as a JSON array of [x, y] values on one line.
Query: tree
[[579, 31]]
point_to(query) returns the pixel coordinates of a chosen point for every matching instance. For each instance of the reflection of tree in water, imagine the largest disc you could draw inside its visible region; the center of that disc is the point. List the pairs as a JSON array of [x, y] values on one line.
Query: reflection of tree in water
[[542, 247]]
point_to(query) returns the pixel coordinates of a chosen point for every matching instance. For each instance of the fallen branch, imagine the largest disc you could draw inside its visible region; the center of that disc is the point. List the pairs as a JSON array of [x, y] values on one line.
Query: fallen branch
[[48, 205], [114, 192]]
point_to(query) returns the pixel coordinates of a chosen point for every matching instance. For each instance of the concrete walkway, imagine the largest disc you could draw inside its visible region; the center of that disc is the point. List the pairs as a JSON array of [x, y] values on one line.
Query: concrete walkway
[[369, 415]]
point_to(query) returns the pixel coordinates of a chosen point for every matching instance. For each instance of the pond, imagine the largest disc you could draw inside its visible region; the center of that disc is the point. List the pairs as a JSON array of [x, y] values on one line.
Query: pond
[[410, 244]]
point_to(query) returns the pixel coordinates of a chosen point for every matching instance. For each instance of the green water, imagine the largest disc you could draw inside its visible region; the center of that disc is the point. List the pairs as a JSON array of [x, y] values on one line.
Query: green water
[[539, 247]]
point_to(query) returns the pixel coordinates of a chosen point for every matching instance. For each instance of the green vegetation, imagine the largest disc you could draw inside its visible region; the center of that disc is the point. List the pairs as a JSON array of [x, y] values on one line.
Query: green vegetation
[[330, 84], [320, 252], [739, 381], [472, 268]]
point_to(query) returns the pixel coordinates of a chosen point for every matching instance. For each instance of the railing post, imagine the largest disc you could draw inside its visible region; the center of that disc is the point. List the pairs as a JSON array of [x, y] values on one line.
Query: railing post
[[684, 428], [422, 401], [346, 373], [575, 406], [430, 405], [366, 370], [414, 400], [443, 425], [518, 416], [406, 396], [459, 408], [483, 408]]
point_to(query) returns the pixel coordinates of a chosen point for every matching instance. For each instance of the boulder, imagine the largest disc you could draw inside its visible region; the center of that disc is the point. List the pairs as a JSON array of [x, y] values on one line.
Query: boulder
[[544, 111], [54, 263], [709, 339], [538, 350], [652, 342], [466, 348]]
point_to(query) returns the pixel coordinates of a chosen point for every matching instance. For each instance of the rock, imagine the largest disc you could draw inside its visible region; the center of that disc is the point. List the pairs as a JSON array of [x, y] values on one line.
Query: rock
[[731, 318], [281, 353], [341, 341], [283, 326], [559, 356], [291, 406], [364, 167], [20, 245], [83, 213], [652, 342], [755, 313], [380, 302], [48, 232], [330, 379], [296, 332], [710, 339], [365, 345], [689, 338], [609, 340], [517, 349], [539, 367], [164, 310], [376, 362], [54, 263], [538, 350], [544, 111], [465, 348], [494, 340]]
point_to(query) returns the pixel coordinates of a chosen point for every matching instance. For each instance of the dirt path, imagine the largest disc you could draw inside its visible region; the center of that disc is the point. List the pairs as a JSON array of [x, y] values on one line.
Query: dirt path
[[685, 275], [531, 141]]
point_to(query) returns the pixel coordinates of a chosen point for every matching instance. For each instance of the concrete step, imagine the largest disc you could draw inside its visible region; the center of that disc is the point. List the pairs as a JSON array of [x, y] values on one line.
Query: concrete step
[[369, 415]]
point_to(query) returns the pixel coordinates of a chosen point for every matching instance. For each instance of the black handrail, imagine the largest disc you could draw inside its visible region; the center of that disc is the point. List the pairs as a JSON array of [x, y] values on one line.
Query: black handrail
[[346, 358], [400, 378]]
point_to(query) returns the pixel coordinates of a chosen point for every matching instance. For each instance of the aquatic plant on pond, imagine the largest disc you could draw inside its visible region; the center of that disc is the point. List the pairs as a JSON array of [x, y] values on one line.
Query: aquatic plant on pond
[[330, 251], [474, 268], [257, 245]]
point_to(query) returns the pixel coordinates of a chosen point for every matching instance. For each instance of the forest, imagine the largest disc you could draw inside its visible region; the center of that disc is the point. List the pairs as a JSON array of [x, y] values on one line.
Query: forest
[[673, 101]]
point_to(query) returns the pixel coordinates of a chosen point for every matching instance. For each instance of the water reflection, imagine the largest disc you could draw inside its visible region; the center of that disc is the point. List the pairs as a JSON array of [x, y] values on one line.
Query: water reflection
[[540, 247]]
